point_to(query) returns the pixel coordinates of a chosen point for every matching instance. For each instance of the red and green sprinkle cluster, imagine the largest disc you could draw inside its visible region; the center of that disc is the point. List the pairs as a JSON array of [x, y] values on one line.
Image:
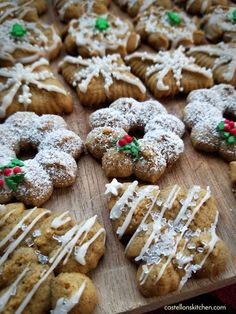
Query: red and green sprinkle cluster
[[11, 174], [129, 144], [227, 129]]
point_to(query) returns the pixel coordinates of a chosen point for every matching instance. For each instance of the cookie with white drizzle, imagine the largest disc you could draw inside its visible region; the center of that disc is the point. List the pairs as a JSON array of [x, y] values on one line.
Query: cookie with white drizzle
[[123, 155], [54, 165], [73, 9], [168, 73], [99, 35], [134, 7], [36, 246], [99, 80], [172, 234], [32, 88], [219, 25], [200, 6], [221, 58], [26, 42], [164, 29], [206, 114]]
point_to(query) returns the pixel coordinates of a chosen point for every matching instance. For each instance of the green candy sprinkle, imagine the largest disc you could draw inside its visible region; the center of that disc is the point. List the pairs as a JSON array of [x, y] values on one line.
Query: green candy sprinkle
[[18, 30], [230, 140], [221, 126], [174, 18], [226, 134], [101, 24], [234, 16]]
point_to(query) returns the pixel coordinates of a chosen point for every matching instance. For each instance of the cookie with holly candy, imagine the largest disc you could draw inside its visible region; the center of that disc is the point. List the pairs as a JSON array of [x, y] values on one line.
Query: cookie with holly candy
[[171, 234], [123, 155], [220, 24], [205, 114], [27, 10], [134, 7], [169, 73], [32, 181], [99, 35], [99, 80], [165, 29], [32, 88], [73, 9], [26, 42]]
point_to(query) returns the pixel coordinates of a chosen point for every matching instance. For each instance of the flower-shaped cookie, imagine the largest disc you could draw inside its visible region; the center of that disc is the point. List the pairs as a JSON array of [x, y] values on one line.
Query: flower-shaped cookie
[[220, 24], [221, 58], [98, 35], [73, 9], [101, 79], [32, 88], [134, 7], [168, 73], [26, 42], [172, 234], [205, 114], [123, 155], [54, 166], [163, 29], [44, 258]]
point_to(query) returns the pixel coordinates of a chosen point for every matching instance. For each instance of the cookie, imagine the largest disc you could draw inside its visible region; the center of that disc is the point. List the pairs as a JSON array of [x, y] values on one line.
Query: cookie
[[220, 24], [220, 58], [32, 88], [164, 29], [134, 7], [124, 155], [200, 6], [26, 42], [98, 35], [171, 234], [32, 181], [99, 80], [169, 73], [205, 114], [73, 9], [44, 258]]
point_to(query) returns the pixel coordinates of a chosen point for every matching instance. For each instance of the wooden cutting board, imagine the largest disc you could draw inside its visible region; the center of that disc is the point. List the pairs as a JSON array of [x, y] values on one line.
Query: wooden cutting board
[[115, 275]]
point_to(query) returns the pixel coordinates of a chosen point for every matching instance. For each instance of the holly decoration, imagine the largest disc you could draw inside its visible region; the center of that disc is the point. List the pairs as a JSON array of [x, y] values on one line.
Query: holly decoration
[[101, 24], [227, 129], [234, 16], [129, 144], [18, 30], [11, 174], [174, 18]]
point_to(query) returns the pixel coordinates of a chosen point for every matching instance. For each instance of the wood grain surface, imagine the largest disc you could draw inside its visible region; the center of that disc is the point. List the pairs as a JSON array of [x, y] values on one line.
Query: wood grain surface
[[115, 275]]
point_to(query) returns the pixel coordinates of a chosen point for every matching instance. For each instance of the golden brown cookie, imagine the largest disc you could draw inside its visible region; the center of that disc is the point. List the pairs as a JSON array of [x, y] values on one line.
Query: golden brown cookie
[[26, 42], [221, 58], [32, 88], [169, 73], [73, 9], [172, 234], [164, 29], [100, 80], [99, 35], [200, 6], [34, 243]]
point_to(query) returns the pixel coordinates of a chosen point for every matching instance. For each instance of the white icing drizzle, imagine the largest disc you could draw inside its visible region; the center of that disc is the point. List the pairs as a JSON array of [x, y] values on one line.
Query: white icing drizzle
[[203, 5], [174, 61], [113, 187], [60, 220], [63, 305], [3, 220], [23, 77], [39, 40], [86, 35], [223, 53], [11, 290], [109, 67], [13, 245], [63, 5], [14, 9], [2, 207], [116, 210]]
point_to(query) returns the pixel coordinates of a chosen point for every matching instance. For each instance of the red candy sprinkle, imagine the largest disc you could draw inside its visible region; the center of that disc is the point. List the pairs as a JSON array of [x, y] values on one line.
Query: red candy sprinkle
[[1, 182], [17, 169], [231, 124], [227, 121], [227, 127], [122, 142], [233, 131], [7, 172], [128, 138]]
